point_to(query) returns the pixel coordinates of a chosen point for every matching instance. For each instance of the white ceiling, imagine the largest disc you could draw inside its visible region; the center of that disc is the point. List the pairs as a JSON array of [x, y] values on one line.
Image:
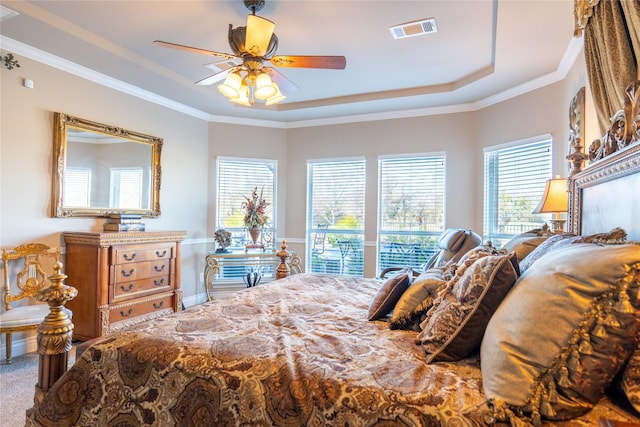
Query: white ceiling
[[484, 51]]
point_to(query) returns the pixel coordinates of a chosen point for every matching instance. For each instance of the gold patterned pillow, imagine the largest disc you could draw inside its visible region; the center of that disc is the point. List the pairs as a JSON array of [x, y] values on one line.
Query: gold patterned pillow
[[456, 323], [416, 301], [523, 244], [562, 334]]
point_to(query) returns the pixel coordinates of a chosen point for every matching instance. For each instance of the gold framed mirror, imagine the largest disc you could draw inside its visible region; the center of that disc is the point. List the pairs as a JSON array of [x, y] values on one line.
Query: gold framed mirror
[[100, 170]]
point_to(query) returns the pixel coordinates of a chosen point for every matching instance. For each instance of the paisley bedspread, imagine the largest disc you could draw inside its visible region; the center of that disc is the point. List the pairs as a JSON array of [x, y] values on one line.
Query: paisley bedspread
[[294, 352]]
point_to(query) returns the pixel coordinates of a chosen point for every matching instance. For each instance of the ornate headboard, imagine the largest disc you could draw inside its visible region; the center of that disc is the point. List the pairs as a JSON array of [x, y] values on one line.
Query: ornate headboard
[[606, 194]]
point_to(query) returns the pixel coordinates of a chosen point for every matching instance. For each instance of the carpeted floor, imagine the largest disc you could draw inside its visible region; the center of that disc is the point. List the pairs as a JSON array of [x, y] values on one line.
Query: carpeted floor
[[17, 387]]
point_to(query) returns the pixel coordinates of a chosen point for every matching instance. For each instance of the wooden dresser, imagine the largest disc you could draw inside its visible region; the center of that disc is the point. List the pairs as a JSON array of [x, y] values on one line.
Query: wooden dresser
[[122, 278]]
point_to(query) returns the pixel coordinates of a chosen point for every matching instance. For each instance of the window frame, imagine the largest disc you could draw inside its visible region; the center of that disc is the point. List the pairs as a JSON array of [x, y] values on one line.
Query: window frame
[[419, 245], [491, 195], [345, 252], [239, 234]]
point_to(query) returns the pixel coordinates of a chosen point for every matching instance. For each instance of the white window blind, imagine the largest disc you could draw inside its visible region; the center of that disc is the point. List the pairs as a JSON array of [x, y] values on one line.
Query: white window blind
[[411, 209], [335, 221], [514, 182], [77, 187], [236, 180], [126, 188]]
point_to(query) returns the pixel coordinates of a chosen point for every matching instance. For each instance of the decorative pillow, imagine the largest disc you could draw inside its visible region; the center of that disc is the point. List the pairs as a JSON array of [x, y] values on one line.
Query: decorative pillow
[[554, 242], [630, 380], [562, 333], [414, 303], [456, 323], [615, 236], [523, 244], [389, 294]]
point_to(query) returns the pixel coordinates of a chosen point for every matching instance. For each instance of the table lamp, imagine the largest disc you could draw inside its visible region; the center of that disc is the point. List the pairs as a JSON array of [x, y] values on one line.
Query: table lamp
[[555, 200]]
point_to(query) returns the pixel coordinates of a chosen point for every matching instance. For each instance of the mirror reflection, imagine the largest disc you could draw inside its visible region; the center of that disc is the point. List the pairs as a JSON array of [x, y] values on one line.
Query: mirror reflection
[[102, 169]]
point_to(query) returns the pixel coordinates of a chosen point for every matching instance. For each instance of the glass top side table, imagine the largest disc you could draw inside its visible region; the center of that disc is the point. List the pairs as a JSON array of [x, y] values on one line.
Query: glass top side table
[[248, 266]]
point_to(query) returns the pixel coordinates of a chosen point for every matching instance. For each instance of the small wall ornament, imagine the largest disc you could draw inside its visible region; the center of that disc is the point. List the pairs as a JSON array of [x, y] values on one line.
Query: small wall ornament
[[223, 240], [9, 62]]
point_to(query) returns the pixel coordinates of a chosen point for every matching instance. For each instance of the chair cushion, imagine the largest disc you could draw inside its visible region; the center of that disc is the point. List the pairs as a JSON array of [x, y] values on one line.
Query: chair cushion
[[24, 315]]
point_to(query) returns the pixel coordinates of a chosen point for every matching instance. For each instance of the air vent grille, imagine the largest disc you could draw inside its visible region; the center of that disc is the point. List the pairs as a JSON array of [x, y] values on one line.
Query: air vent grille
[[415, 28]]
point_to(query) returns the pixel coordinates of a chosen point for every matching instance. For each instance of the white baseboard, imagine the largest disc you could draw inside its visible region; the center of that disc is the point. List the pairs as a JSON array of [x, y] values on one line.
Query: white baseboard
[[195, 299]]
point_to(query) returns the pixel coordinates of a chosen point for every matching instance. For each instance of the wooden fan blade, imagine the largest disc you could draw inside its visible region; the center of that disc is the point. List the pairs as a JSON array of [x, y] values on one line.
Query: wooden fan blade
[[258, 36], [193, 49], [214, 78], [330, 62], [285, 85]]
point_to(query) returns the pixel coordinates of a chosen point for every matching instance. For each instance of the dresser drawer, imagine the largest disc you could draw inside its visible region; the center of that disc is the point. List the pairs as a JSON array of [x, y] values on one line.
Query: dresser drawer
[[135, 288], [141, 270], [139, 253], [123, 278], [128, 312]]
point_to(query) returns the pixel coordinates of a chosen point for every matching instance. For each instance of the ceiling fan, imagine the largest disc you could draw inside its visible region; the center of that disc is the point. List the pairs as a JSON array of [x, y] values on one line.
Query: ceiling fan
[[248, 79]]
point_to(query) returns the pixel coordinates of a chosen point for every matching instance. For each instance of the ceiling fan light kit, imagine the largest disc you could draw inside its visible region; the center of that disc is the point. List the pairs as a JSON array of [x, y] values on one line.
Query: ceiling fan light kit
[[255, 44]]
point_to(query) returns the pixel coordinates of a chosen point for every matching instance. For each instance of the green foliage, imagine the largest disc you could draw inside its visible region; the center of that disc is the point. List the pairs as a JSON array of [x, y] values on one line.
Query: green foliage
[[515, 210]]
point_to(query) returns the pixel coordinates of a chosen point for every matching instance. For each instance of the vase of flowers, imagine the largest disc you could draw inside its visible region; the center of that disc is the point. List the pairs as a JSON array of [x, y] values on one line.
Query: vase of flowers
[[255, 214]]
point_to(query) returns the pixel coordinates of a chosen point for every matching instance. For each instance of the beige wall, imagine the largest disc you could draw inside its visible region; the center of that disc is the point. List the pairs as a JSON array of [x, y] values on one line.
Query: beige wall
[[191, 146]]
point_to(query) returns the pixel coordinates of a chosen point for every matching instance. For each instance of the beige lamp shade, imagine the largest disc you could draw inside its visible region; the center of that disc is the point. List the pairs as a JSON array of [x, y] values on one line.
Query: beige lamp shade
[[555, 198]]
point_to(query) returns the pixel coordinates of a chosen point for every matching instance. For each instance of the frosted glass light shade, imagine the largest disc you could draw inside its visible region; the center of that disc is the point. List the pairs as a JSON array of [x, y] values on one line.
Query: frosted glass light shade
[[278, 97], [264, 87], [231, 86]]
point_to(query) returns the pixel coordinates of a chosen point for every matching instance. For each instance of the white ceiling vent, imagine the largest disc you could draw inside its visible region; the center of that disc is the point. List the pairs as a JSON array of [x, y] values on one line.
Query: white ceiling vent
[[415, 28]]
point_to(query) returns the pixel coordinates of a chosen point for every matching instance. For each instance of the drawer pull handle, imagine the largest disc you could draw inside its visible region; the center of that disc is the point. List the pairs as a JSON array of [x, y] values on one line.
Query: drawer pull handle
[[129, 274], [158, 282], [159, 269], [161, 255], [129, 313], [156, 305], [130, 258], [130, 288]]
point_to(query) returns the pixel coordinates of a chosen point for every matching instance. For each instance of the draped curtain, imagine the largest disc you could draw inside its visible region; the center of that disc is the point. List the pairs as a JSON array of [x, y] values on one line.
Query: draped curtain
[[612, 50]]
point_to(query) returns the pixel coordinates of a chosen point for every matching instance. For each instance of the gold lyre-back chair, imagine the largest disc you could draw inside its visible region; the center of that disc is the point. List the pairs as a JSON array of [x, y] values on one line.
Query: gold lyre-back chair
[[26, 262]]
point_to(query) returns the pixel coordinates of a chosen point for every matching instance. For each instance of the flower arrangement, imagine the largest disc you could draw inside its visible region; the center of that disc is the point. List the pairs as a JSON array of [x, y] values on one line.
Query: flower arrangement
[[255, 208]]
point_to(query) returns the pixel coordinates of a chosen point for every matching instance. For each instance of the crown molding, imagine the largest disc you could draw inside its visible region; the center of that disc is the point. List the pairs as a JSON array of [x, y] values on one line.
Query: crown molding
[[568, 59]]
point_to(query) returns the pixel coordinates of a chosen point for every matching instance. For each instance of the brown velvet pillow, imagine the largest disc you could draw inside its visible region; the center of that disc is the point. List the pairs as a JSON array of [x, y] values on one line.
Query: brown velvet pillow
[[389, 294], [562, 334], [630, 379], [455, 325]]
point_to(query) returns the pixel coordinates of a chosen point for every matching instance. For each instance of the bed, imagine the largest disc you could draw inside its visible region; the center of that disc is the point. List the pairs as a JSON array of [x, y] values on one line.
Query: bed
[[303, 351]]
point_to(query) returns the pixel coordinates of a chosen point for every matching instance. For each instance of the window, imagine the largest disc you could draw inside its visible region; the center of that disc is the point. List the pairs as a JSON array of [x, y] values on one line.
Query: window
[[236, 180], [514, 182], [335, 217], [411, 194], [126, 188], [77, 187]]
